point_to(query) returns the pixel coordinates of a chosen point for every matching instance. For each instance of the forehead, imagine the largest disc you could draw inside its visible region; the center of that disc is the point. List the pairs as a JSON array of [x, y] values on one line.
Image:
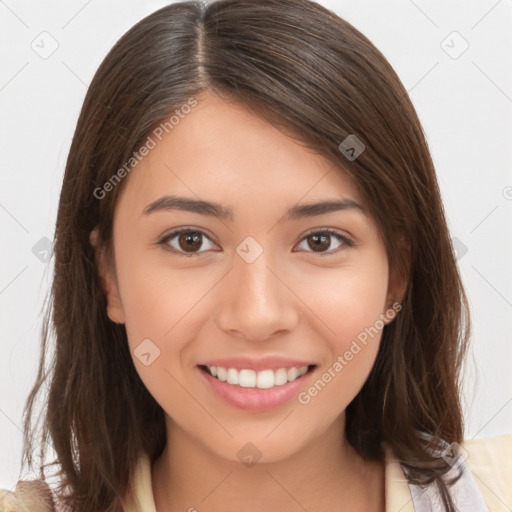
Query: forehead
[[222, 150]]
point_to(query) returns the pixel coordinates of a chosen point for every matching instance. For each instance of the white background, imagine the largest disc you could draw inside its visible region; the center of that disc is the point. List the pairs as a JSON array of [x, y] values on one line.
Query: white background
[[464, 103]]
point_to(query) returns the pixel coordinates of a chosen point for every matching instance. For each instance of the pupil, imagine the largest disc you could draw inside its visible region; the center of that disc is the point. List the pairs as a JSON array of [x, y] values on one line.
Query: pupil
[[324, 244], [192, 239]]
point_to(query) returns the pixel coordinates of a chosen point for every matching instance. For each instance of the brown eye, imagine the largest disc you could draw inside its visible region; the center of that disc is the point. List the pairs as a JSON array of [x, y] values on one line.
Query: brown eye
[[190, 242], [320, 241], [186, 242]]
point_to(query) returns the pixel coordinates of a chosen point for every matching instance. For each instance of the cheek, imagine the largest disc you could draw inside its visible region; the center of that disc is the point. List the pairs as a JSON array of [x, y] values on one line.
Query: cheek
[[347, 299], [158, 304], [350, 302], [163, 307], [157, 298]]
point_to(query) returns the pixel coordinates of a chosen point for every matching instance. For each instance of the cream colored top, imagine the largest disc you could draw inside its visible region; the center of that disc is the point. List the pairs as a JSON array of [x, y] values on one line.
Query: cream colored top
[[490, 462]]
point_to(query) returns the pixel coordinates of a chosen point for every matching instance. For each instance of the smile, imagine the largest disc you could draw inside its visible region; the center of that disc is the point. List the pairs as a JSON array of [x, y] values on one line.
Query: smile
[[259, 388], [247, 378]]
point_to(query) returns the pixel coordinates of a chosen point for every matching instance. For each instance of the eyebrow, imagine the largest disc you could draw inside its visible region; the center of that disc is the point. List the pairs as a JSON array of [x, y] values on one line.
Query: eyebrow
[[212, 209]]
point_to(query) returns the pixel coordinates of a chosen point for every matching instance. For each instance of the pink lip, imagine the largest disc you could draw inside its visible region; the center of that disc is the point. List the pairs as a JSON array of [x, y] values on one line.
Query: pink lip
[[255, 399], [264, 363]]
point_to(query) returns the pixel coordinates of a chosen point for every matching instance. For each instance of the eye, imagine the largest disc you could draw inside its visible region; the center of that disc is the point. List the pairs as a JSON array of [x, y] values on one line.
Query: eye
[[320, 240], [185, 242]]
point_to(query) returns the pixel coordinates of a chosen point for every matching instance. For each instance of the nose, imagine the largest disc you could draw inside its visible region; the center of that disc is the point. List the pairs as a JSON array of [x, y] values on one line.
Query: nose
[[256, 302]]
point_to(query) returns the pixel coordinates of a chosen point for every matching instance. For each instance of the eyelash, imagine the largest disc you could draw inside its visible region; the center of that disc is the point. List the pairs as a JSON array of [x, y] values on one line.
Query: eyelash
[[342, 238]]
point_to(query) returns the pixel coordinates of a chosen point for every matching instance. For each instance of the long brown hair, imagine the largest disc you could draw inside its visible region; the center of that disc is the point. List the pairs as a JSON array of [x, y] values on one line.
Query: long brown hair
[[319, 80]]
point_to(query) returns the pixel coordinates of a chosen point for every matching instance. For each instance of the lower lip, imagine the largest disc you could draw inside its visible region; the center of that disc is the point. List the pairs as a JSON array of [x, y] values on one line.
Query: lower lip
[[255, 399]]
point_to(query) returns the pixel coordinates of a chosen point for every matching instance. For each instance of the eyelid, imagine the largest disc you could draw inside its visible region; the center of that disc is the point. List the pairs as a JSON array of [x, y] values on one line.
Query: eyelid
[[346, 240]]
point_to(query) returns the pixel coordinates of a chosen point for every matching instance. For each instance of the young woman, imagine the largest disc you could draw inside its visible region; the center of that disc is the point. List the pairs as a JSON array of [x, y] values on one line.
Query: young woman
[[256, 304]]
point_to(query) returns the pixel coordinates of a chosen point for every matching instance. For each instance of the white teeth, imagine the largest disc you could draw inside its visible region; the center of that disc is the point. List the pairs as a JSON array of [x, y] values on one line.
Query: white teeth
[[222, 373], [247, 378], [281, 377], [293, 373], [232, 376], [264, 379]]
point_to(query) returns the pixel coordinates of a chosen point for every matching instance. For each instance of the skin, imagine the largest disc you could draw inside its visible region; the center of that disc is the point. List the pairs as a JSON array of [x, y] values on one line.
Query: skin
[[291, 301]]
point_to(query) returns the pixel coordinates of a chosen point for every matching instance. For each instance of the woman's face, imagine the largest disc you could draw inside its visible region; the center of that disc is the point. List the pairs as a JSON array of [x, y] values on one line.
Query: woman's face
[[256, 296]]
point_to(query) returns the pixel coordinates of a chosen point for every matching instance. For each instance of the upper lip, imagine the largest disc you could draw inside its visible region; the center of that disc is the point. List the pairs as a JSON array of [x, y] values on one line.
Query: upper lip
[[263, 363]]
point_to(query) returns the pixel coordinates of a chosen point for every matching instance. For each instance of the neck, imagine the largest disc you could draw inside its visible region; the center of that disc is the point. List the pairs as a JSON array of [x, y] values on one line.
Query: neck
[[326, 473]]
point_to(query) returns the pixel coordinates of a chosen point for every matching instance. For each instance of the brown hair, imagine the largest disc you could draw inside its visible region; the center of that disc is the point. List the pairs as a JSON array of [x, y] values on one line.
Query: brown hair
[[318, 79]]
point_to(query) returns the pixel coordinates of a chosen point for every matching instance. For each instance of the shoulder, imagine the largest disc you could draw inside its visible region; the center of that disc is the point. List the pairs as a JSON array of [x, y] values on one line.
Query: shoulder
[[487, 474], [490, 462], [29, 496]]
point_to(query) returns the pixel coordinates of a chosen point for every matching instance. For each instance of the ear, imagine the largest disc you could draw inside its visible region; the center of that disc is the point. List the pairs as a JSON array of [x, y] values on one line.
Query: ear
[[106, 269], [397, 285]]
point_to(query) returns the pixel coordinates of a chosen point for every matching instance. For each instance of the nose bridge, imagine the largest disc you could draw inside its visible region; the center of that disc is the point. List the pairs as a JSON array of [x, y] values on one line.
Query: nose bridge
[[256, 303], [255, 284]]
